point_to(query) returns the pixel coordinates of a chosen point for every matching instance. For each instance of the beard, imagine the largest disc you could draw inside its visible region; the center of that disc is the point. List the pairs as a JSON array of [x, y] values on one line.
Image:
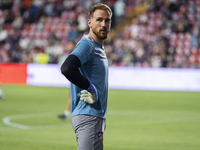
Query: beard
[[99, 34]]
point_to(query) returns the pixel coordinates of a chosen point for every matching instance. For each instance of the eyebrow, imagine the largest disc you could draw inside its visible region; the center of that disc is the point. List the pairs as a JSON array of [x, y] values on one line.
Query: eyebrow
[[103, 18]]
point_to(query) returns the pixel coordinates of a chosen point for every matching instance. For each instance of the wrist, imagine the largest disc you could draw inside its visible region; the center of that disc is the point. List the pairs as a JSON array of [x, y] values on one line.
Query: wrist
[[91, 88]]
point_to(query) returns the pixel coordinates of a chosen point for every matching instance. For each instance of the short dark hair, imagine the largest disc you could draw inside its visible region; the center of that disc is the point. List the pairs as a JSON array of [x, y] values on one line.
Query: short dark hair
[[100, 6]]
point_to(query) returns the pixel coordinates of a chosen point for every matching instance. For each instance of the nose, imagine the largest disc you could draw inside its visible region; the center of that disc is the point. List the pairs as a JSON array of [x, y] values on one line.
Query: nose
[[103, 23]]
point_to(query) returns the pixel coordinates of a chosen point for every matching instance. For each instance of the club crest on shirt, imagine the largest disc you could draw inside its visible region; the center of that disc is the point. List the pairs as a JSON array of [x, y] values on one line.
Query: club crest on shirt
[[100, 135]]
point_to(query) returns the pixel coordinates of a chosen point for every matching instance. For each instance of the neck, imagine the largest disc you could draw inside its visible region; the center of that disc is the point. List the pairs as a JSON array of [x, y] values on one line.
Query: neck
[[96, 38]]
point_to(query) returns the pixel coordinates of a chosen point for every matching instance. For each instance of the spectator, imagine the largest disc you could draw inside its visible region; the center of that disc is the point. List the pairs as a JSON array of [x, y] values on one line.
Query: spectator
[[17, 22], [119, 11], [82, 23], [41, 57]]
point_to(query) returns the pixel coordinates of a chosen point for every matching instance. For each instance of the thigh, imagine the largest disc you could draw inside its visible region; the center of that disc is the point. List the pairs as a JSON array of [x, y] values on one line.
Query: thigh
[[89, 132]]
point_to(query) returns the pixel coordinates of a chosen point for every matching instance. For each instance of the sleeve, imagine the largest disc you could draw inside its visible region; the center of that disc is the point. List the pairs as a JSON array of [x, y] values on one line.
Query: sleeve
[[70, 70], [83, 50]]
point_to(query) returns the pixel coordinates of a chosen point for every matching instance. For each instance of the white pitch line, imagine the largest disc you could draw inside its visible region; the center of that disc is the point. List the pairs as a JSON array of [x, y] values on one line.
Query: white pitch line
[[7, 120]]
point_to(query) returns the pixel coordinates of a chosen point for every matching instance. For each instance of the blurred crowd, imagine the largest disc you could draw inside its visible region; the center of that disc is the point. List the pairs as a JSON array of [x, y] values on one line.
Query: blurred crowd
[[144, 33]]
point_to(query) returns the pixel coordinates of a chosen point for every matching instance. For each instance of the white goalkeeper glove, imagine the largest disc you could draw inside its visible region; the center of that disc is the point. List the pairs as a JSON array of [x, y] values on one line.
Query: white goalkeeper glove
[[88, 97]]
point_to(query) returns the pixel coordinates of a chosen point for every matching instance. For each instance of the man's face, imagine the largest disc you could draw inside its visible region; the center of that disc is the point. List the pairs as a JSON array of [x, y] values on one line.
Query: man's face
[[100, 23]]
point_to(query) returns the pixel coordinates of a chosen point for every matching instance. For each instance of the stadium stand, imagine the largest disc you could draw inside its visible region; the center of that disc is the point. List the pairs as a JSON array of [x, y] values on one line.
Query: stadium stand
[[147, 33]]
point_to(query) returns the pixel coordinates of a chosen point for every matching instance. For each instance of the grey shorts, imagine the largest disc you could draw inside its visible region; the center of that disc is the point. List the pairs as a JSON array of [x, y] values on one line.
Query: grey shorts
[[89, 132]]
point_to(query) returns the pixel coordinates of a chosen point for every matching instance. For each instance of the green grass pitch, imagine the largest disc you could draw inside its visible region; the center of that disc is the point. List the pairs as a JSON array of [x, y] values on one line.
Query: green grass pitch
[[136, 120]]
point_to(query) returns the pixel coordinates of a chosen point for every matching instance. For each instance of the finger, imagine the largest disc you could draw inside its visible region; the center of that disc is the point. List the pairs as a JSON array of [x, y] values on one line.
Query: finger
[[84, 92], [85, 95], [82, 99]]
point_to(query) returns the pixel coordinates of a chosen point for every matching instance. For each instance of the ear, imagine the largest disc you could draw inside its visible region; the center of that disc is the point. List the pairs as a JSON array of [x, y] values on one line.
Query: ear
[[89, 22]]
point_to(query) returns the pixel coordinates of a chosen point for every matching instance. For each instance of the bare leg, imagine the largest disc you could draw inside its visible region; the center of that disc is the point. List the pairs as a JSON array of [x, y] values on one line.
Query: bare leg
[[66, 114]]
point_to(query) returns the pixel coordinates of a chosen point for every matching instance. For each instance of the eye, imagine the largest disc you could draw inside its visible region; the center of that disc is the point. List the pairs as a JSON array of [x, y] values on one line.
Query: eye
[[107, 20], [99, 19]]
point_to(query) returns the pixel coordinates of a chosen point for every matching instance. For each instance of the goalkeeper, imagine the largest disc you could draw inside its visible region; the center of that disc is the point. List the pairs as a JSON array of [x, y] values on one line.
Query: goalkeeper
[[87, 69]]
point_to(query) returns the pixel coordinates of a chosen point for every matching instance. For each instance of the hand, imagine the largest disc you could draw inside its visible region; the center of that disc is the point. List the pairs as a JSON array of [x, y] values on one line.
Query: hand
[[88, 97]]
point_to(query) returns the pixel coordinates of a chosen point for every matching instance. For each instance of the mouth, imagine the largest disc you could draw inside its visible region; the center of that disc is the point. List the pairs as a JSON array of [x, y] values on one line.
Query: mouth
[[103, 31]]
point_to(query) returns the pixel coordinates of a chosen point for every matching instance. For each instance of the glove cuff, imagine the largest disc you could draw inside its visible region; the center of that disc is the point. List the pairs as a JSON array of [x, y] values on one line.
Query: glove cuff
[[91, 88]]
